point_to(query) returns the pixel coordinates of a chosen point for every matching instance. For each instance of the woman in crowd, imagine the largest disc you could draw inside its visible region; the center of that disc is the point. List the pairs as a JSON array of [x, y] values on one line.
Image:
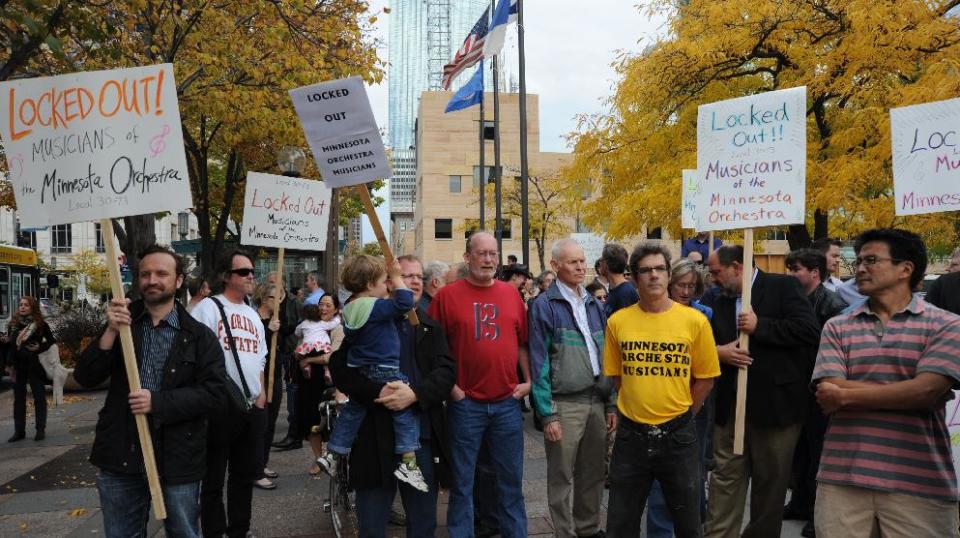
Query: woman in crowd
[[545, 280], [28, 335], [598, 292], [686, 286], [316, 379], [265, 297]]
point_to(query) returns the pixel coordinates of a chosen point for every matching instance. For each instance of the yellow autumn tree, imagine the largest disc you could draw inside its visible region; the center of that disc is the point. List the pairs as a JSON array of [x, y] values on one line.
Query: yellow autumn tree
[[857, 58]]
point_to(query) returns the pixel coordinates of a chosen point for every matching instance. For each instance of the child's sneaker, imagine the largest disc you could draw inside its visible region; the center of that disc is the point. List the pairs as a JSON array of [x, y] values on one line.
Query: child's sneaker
[[328, 462], [410, 473]]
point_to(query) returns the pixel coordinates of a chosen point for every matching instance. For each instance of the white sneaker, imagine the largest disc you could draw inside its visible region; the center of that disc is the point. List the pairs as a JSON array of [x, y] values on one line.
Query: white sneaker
[[412, 475], [328, 462]]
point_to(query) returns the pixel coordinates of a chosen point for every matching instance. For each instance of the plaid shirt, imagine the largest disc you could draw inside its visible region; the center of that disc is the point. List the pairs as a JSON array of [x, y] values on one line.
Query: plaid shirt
[[156, 342]]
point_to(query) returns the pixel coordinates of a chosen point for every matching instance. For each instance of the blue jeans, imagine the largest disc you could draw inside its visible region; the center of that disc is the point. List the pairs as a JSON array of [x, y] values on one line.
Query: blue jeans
[[659, 523], [470, 422], [406, 424], [373, 505], [125, 503], [669, 454]]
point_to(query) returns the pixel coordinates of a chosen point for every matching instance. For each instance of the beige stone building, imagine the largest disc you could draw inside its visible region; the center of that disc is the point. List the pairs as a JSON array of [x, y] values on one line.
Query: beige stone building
[[448, 171]]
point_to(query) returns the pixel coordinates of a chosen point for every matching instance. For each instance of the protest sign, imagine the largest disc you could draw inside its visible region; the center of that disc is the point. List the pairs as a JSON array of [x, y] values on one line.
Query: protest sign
[[926, 158], [100, 144], [339, 124], [751, 160], [953, 425], [280, 211], [688, 200], [592, 246]]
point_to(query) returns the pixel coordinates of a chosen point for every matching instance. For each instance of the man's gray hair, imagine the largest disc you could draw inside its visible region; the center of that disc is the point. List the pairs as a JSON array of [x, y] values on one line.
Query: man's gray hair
[[561, 244], [434, 270], [462, 270]]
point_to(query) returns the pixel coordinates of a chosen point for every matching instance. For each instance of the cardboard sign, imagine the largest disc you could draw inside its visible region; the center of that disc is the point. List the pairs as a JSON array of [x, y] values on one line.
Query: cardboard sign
[[752, 161], [953, 425], [339, 124], [688, 199], [94, 145], [280, 211], [926, 158], [592, 246]]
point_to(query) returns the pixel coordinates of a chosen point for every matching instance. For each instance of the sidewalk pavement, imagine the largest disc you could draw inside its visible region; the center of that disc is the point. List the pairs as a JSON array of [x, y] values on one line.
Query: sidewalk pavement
[[47, 488]]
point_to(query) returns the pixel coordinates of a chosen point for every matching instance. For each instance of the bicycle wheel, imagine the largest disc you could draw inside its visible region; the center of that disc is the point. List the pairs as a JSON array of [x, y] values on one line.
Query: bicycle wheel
[[342, 502]]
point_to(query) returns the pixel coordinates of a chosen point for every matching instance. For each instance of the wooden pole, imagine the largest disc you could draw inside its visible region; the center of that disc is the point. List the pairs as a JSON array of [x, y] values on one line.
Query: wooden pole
[[133, 374], [381, 237], [745, 296], [710, 248], [277, 297]]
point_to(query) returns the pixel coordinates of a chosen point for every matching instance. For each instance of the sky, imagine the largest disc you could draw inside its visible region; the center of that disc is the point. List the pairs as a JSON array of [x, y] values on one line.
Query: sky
[[569, 56]]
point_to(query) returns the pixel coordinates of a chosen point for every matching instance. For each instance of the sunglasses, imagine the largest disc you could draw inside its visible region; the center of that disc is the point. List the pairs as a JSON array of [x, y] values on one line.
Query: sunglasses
[[246, 271]]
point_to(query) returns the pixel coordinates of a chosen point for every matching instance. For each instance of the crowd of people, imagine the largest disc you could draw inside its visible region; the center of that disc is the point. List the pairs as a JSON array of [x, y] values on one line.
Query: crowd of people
[[632, 379]]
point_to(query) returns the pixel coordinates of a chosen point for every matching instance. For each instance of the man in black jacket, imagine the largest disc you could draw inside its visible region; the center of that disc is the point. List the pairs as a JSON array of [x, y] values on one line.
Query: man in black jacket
[[426, 361], [781, 325], [181, 373], [945, 292], [809, 267]]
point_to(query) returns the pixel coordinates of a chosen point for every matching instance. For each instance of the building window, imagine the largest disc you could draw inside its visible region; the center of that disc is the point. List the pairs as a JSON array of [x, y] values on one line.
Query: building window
[[506, 231], [470, 227], [27, 240], [61, 239], [100, 247], [488, 129], [443, 229], [488, 175], [455, 184]]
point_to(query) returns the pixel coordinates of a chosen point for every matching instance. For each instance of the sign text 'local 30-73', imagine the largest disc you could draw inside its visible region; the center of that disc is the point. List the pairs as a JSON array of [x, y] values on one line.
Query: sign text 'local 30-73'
[[93, 145], [342, 132], [926, 157], [751, 161], [280, 211]]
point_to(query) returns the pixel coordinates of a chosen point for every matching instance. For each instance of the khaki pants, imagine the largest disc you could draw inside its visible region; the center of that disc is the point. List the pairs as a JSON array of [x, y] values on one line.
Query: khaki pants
[[852, 512], [764, 466], [575, 469]]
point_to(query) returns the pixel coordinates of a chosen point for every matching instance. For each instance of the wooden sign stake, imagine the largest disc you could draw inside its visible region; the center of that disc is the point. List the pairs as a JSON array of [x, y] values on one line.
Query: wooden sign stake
[[745, 296], [710, 248], [133, 374], [381, 237], [282, 290]]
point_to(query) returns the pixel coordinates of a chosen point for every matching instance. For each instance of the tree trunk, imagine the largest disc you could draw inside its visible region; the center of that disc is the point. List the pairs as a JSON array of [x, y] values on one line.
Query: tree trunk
[[331, 254], [820, 224], [138, 232], [798, 236]]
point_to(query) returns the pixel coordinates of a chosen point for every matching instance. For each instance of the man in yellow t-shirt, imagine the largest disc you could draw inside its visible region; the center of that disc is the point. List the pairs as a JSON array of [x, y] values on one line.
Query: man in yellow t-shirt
[[664, 359]]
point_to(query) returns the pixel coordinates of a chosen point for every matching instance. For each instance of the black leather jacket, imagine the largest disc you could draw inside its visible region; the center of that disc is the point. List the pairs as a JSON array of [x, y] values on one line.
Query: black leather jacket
[[826, 304], [192, 388]]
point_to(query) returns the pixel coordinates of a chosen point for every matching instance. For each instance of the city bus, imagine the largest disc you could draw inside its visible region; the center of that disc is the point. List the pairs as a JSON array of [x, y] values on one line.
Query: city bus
[[19, 276]]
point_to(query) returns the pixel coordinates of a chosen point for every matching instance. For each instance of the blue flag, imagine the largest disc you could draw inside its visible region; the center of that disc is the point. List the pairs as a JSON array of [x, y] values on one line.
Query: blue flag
[[470, 94]]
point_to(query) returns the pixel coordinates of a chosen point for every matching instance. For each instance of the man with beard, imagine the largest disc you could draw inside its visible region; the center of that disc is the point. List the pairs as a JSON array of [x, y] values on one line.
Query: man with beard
[[181, 375]]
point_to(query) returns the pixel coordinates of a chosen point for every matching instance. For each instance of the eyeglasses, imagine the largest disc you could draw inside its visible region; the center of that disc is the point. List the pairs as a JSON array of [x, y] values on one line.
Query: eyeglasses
[[416, 276], [648, 270], [602, 298], [486, 253], [873, 260], [244, 272]]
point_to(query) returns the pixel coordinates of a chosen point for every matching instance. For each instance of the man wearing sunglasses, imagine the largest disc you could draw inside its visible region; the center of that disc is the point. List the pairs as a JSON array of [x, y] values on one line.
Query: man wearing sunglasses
[[883, 373], [782, 328], [236, 437], [662, 356]]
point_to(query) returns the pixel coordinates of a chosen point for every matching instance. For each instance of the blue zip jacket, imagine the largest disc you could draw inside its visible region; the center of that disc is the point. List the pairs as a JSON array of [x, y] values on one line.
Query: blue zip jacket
[[560, 360], [371, 320]]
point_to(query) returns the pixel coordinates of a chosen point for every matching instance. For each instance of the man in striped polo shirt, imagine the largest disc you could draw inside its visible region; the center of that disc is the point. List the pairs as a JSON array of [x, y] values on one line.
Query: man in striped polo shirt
[[883, 374]]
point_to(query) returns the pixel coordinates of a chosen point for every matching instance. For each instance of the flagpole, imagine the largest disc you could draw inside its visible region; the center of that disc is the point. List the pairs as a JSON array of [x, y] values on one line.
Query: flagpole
[[524, 171], [496, 162], [483, 176]]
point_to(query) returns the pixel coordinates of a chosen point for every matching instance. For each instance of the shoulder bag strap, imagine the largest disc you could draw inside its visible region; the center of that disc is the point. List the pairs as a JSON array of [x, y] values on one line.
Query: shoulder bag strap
[[233, 347]]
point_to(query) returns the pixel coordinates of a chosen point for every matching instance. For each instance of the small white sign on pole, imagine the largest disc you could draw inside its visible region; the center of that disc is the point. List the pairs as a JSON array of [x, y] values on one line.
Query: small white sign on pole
[[688, 199], [94, 145], [926, 157], [592, 246], [280, 211], [752, 161], [342, 131]]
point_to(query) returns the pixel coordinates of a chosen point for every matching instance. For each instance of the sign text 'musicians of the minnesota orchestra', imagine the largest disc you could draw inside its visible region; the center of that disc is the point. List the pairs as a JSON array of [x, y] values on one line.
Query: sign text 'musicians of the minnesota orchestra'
[[91, 145], [280, 211], [342, 131], [751, 161], [926, 157]]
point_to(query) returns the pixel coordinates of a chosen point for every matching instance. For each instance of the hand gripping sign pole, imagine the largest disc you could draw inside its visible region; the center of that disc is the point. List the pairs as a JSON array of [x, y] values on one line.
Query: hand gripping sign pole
[[364, 192], [133, 374], [744, 343], [277, 298]]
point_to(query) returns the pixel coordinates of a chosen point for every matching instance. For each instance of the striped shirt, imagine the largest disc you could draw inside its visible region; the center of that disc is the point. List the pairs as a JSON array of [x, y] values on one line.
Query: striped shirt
[[156, 343], [902, 451]]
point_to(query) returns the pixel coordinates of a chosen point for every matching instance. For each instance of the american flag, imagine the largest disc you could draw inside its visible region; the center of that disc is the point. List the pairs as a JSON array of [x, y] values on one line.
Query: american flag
[[470, 52]]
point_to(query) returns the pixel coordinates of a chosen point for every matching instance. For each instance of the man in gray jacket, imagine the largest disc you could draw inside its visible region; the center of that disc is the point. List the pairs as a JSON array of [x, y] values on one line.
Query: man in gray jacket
[[573, 398]]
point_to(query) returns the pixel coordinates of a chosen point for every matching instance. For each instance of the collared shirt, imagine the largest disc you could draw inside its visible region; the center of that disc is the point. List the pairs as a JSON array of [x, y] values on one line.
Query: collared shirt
[[900, 451], [578, 304], [156, 342], [740, 297], [314, 297]]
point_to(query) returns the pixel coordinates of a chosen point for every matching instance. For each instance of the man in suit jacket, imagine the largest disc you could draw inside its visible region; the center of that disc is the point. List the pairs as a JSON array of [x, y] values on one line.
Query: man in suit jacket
[[782, 327], [945, 292]]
